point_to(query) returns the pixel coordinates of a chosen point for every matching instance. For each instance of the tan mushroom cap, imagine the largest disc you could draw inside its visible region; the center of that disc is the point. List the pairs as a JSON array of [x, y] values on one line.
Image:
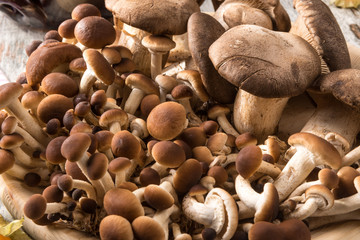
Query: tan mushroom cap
[[328, 178], [323, 191], [199, 42], [59, 83], [217, 141], [318, 146], [42, 61], [325, 32], [187, 175], [54, 106], [124, 144], [140, 81], [115, 227], [126, 65], [158, 43], [167, 120], [146, 228], [31, 99], [99, 65], [346, 186], [154, 17], [158, 197], [245, 139], [113, 115], [8, 124], [94, 32], [66, 28], [218, 110], [35, 207], [124, 203], [7, 160], [264, 70], [168, 154], [248, 160], [11, 141]]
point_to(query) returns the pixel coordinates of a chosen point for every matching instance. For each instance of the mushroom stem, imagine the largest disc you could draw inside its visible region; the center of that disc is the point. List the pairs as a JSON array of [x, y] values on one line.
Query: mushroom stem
[[28, 139], [335, 122], [156, 63], [257, 115], [19, 172], [87, 81], [55, 207], [134, 100], [25, 159], [316, 222], [351, 157], [163, 218]]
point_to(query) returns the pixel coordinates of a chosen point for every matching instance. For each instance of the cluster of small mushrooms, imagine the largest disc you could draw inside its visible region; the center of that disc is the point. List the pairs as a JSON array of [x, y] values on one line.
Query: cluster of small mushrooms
[[129, 145]]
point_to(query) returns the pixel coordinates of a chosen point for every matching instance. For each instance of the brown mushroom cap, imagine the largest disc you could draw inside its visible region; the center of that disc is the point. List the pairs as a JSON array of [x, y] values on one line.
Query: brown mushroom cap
[[113, 115], [318, 146], [158, 197], [146, 228], [115, 227], [140, 81], [75, 146], [73, 170], [268, 204], [168, 154], [325, 32], [59, 83], [193, 136], [99, 66], [84, 10], [167, 120], [187, 175], [9, 92], [124, 203], [7, 160], [282, 66], [53, 193], [149, 176], [152, 16], [219, 174], [199, 43], [53, 150], [158, 43], [119, 164], [42, 61], [248, 160], [66, 28], [94, 32], [124, 144], [54, 106], [35, 206], [97, 166]]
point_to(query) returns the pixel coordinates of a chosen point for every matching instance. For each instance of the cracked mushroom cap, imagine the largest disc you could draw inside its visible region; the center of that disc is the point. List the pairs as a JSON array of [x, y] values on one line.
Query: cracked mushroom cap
[[325, 32], [115, 227], [199, 43], [168, 154], [54, 106], [146, 228], [322, 149], [99, 66], [284, 65], [47, 57], [94, 32], [156, 17], [124, 203], [343, 85], [166, 120]]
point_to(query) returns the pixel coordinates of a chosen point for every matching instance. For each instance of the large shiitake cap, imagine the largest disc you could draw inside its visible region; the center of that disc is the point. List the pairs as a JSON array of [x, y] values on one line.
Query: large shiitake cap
[[167, 120], [199, 42], [344, 85], [325, 31], [157, 17], [44, 59], [94, 32], [321, 148], [265, 63]]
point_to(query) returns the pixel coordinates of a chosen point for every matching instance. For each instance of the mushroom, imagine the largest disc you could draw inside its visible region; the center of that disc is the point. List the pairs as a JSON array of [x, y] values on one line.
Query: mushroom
[[59, 83], [114, 119], [311, 151], [115, 227], [66, 31], [218, 212], [54, 106], [97, 68], [342, 109], [218, 113], [66, 183], [177, 233], [9, 101], [166, 84], [84, 10], [119, 166], [317, 197], [30, 100], [199, 42], [258, 109], [97, 169], [217, 144], [104, 138], [146, 228], [187, 175], [83, 111]]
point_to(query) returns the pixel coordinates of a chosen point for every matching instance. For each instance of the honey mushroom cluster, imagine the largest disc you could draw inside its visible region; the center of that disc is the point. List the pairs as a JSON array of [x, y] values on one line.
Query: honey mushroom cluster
[[127, 145]]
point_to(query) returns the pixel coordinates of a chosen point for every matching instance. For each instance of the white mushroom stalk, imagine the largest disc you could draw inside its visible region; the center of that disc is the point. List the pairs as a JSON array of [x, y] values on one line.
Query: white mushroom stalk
[[316, 222], [218, 212], [163, 217], [351, 157]]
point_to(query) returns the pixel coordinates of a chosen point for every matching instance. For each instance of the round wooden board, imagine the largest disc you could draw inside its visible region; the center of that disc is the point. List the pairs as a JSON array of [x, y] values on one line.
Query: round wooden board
[[14, 195]]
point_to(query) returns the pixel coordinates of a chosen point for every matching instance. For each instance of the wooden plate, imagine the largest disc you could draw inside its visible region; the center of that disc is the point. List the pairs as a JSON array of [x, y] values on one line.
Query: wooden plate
[[14, 195]]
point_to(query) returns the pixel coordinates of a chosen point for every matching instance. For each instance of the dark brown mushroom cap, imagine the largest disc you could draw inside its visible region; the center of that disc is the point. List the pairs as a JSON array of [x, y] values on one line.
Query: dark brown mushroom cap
[[72, 169], [124, 144], [149, 176], [187, 175], [146, 228], [346, 186], [53, 193], [84, 10], [321, 148], [53, 150], [65, 182], [295, 229], [168, 154], [35, 207], [9, 92], [343, 85], [124, 203], [42, 61], [158, 197], [66, 28], [182, 92], [248, 160], [219, 174], [193, 136], [199, 43], [325, 32], [282, 66], [7, 160], [268, 204], [97, 166], [104, 138], [52, 34], [159, 17], [126, 65], [115, 227], [59, 83], [54, 106], [95, 32], [166, 121], [74, 147], [99, 65]]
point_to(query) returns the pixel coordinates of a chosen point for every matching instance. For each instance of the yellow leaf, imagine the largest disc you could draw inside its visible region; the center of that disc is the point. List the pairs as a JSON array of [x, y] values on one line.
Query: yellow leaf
[[8, 229]]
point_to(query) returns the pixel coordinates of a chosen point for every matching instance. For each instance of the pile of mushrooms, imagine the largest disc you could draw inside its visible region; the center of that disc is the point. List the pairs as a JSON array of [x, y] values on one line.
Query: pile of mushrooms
[[129, 148]]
